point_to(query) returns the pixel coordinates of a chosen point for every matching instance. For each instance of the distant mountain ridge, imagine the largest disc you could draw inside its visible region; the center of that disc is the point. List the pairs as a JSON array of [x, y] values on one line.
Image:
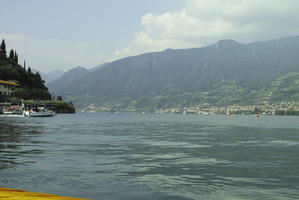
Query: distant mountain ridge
[[225, 73], [50, 76], [67, 79], [93, 69]]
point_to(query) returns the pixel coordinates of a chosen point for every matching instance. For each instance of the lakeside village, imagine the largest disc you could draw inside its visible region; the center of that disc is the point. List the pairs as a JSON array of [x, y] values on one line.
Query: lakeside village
[[264, 108], [7, 89], [23, 92], [11, 105]]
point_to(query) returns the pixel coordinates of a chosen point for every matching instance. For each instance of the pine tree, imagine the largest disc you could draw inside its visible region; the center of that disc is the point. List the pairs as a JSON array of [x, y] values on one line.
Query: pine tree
[[24, 65], [16, 58], [11, 54], [59, 98], [30, 79], [37, 75], [3, 48]]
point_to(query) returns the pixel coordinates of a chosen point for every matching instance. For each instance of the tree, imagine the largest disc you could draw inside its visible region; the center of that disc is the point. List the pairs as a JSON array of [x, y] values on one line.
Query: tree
[[24, 65], [37, 75], [11, 54], [38, 83], [31, 84], [59, 98], [3, 48], [16, 57]]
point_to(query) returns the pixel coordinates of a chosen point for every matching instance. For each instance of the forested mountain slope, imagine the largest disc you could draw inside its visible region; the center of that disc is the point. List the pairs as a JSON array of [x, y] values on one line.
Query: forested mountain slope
[[225, 73]]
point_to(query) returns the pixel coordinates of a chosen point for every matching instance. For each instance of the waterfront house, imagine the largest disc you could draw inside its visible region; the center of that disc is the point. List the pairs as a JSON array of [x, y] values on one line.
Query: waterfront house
[[7, 88]]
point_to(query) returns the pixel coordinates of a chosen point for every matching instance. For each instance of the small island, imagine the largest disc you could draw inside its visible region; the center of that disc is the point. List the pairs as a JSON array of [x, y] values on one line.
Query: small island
[[18, 84]]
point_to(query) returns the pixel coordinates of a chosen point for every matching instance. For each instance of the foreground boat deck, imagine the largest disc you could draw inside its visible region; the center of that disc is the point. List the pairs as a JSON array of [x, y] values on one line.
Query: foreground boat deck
[[13, 194]]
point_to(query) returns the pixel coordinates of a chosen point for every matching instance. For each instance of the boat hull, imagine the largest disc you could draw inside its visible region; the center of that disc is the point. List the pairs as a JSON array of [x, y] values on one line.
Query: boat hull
[[40, 114], [44, 115]]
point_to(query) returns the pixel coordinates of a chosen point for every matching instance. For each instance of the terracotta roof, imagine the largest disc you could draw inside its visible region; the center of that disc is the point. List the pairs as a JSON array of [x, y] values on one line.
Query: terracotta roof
[[8, 83]]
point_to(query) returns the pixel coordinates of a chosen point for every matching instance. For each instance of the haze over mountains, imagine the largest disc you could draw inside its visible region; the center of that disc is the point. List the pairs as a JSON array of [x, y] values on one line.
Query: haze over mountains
[[51, 76], [225, 73], [67, 79], [57, 74]]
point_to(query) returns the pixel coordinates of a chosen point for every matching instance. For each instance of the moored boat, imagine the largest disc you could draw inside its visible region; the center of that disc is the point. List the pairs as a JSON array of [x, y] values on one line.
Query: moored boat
[[39, 112], [12, 110], [9, 110]]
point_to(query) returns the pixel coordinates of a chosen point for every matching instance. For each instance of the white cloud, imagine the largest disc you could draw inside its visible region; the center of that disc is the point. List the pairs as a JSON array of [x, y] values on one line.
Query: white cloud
[[199, 23], [203, 22]]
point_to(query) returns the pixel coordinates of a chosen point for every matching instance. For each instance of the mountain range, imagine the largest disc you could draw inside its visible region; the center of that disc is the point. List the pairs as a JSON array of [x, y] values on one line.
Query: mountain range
[[50, 76], [224, 73]]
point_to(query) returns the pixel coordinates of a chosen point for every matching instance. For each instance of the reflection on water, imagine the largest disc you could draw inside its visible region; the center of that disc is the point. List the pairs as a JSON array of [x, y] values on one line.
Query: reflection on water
[[16, 140], [128, 156]]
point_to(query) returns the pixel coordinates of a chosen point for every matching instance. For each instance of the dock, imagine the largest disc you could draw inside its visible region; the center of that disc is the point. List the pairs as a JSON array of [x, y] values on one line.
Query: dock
[[14, 194]]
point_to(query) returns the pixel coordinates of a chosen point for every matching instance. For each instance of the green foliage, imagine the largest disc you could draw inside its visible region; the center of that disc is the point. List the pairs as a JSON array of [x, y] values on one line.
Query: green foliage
[[3, 49], [22, 93], [26, 93], [11, 54], [31, 85], [59, 98], [287, 112], [64, 107]]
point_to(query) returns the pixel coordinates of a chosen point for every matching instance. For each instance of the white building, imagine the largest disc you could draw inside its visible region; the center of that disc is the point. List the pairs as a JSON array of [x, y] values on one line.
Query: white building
[[7, 88]]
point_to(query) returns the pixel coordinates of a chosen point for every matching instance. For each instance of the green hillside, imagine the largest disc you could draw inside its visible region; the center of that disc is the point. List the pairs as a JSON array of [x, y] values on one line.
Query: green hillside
[[225, 73], [31, 84]]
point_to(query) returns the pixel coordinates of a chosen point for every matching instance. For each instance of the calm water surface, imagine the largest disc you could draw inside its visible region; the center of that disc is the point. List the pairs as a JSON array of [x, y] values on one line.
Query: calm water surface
[[143, 157]]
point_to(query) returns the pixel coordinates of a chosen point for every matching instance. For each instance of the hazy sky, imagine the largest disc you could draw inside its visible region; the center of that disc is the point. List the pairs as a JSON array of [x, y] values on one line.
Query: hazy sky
[[62, 34]]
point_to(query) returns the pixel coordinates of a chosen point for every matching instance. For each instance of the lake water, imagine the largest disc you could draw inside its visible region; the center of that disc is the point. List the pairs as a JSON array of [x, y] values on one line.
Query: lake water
[[152, 157]]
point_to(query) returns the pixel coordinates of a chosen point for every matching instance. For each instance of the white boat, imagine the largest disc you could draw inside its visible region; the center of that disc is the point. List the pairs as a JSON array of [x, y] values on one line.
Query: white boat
[[13, 112], [21, 111], [12, 115], [39, 112]]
